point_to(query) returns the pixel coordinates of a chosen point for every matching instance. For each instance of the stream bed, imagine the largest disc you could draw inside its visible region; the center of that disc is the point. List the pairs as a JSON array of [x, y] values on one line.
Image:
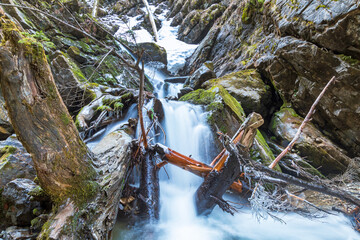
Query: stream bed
[[188, 133]]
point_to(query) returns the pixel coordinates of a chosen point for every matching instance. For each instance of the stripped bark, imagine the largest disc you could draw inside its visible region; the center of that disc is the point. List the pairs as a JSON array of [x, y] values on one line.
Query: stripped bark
[[152, 21]]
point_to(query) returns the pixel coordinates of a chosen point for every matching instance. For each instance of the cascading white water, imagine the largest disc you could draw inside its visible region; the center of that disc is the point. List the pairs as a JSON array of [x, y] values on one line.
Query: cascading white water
[[188, 133]]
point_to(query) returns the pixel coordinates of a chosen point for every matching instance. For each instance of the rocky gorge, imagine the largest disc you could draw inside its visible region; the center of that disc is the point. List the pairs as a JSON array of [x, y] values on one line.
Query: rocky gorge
[[268, 56]]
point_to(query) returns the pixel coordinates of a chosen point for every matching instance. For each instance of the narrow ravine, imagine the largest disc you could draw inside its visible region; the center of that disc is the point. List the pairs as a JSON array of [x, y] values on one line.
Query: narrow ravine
[[187, 132]]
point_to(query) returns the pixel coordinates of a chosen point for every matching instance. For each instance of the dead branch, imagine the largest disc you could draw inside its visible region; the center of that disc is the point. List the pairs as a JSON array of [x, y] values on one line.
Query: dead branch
[[306, 120]]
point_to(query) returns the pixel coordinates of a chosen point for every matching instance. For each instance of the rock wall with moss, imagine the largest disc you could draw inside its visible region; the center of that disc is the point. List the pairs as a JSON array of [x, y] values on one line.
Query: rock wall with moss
[[296, 46]]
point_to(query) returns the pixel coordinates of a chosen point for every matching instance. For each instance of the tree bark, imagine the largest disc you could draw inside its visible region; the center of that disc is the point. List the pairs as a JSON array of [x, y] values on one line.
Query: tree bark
[[40, 118], [86, 202]]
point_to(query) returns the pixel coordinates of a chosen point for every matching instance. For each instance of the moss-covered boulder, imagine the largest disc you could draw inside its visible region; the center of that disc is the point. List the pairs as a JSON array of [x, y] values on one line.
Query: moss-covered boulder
[[226, 114], [248, 88], [318, 150]]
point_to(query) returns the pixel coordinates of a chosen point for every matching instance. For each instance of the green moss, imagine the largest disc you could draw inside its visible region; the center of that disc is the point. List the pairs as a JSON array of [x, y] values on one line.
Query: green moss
[[349, 59], [200, 96], [65, 118], [46, 230], [320, 6]]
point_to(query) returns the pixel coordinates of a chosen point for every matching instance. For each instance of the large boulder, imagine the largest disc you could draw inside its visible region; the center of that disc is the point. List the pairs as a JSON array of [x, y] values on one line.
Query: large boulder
[[330, 24], [18, 207], [201, 75], [248, 88], [317, 149]]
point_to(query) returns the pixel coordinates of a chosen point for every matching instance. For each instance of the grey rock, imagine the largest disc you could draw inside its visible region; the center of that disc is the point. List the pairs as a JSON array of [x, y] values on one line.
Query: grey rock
[[200, 76], [69, 82], [317, 149], [18, 207], [15, 162], [153, 52]]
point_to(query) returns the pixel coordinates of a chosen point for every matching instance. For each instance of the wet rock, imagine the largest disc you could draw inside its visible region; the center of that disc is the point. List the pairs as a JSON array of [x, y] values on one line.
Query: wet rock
[[153, 52], [15, 162], [299, 70], [184, 91], [158, 109], [18, 208], [18, 233], [248, 88], [226, 115], [200, 76], [70, 80], [318, 150], [77, 55], [197, 23], [330, 24]]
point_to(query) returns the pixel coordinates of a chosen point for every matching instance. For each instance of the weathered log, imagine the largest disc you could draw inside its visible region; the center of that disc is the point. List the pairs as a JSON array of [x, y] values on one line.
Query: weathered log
[[226, 171], [87, 203]]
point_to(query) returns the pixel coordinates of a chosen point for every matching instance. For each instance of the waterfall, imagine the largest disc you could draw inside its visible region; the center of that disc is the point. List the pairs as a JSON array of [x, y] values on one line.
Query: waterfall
[[187, 132]]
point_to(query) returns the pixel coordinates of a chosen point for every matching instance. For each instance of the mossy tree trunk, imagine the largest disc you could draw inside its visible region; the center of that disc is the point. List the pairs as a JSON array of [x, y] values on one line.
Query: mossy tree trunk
[[39, 116], [86, 204]]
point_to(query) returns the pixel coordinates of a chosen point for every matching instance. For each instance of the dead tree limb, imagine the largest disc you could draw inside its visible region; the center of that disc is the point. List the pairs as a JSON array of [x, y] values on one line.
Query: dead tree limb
[[318, 187], [198, 168], [306, 120], [221, 178]]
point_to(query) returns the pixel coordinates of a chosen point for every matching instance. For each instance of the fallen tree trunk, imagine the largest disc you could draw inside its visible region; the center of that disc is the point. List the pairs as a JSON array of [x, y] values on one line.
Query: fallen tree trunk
[[86, 202], [226, 171]]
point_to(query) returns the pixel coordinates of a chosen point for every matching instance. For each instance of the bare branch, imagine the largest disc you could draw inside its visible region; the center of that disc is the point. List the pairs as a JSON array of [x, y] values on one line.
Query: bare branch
[[306, 120]]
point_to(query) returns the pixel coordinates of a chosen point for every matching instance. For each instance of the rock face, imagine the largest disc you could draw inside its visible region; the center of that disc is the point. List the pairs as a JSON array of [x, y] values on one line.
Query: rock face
[[198, 22], [318, 150], [248, 88], [297, 46], [17, 205], [201, 75]]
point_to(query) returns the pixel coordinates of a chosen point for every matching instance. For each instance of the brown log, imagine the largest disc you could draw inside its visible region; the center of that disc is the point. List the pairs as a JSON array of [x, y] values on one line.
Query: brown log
[[198, 168]]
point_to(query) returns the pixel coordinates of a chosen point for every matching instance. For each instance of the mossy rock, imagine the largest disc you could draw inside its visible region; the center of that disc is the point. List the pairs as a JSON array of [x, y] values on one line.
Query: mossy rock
[[227, 114], [312, 145], [248, 88]]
